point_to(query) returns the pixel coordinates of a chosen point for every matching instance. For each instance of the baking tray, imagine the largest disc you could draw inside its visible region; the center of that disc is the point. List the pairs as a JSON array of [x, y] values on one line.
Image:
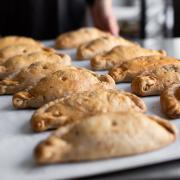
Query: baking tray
[[17, 142]]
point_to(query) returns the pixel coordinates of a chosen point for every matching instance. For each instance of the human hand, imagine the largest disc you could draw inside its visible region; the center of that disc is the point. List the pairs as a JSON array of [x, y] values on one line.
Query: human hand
[[103, 16]]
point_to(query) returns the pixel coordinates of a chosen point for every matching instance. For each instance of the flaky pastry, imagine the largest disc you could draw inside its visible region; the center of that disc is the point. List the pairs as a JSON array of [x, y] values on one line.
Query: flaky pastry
[[16, 40], [120, 54], [75, 38], [16, 63], [59, 84], [106, 136], [76, 107], [14, 50], [30, 75], [90, 49], [155, 81], [130, 69]]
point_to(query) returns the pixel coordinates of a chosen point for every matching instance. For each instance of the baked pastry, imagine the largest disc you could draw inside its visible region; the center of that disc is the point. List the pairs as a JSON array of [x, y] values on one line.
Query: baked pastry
[[29, 76], [14, 50], [155, 81], [103, 44], [75, 38], [130, 69], [170, 101], [120, 54], [16, 40], [78, 106], [59, 84], [16, 63], [106, 136]]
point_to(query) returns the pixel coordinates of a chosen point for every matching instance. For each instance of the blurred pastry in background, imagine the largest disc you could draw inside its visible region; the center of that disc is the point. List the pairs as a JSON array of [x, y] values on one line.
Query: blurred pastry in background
[[75, 38], [14, 50], [90, 49], [17, 40], [19, 62], [120, 54]]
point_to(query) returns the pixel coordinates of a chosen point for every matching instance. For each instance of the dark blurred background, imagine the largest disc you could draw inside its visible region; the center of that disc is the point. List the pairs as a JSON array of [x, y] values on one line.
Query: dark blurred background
[[45, 19], [148, 18], [41, 19]]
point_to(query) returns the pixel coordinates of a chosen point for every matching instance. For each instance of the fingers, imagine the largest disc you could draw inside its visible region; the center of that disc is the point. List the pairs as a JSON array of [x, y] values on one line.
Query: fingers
[[112, 26], [103, 17]]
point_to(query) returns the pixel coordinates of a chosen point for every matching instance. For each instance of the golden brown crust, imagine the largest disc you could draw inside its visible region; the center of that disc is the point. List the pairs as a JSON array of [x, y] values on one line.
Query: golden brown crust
[[13, 50], [130, 69], [121, 54], [19, 62], [16, 40], [106, 136], [170, 101], [103, 44], [29, 76], [78, 106], [73, 39], [62, 83], [155, 81]]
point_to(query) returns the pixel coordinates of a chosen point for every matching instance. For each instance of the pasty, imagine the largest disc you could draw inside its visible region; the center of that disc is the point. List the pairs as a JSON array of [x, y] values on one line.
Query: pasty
[[16, 63], [29, 76], [78, 106], [106, 136], [90, 49], [59, 84], [155, 81], [130, 69], [75, 38], [16, 40], [120, 54], [13, 50]]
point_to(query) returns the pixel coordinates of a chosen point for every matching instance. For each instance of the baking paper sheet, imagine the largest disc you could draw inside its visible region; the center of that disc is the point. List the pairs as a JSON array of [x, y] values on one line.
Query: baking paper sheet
[[17, 142]]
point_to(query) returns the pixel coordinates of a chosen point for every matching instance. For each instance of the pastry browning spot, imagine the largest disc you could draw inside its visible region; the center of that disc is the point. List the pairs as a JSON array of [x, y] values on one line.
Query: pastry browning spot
[[45, 67], [64, 78], [77, 133], [114, 123]]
